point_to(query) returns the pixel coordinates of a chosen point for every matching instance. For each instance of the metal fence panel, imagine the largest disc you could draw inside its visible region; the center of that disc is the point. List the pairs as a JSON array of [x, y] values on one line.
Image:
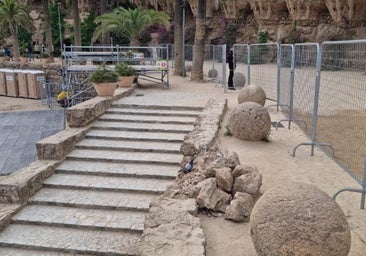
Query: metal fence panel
[[264, 68], [241, 52], [342, 103], [215, 64]]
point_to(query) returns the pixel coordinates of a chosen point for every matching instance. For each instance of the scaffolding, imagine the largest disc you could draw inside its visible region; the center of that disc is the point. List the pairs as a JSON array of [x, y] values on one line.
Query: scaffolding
[[149, 62]]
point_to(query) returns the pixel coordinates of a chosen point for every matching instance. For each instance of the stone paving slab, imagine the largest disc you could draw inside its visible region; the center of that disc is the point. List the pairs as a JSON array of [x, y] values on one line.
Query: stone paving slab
[[93, 199], [24, 252], [145, 127], [19, 133], [153, 112], [70, 240], [122, 156], [119, 169], [148, 119], [116, 184], [83, 218], [125, 145], [130, 135], [166, 101]]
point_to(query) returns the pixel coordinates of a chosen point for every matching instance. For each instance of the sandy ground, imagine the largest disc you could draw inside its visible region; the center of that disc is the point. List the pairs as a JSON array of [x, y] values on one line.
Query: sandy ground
[[274, 160]]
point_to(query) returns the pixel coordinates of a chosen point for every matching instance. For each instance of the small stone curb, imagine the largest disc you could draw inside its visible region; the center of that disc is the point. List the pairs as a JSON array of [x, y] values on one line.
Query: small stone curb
[[86, 112], [7, 211], [20, 185]]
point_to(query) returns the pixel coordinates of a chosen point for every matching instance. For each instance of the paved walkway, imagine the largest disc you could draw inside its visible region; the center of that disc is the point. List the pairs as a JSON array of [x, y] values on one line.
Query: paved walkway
[[19, 133], [95, 203]]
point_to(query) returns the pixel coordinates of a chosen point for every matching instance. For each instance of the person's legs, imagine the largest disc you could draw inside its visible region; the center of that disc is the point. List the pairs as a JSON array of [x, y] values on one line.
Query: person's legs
[[230, 80]]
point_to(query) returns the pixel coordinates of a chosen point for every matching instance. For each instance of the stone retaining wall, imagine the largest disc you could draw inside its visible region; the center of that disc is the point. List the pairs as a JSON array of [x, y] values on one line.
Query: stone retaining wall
[[172, 226]]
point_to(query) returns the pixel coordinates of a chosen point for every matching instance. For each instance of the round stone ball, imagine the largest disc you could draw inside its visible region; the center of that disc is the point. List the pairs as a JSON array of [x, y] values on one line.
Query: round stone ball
[[239, 80], [249, 121], [299, 219], [252, 93], [188, 67], [212, 73]]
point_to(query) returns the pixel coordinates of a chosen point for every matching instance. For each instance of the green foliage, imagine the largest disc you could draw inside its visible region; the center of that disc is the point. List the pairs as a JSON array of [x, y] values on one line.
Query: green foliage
[[263, 37], [227, 131], [87, 28], [55, 26], [295, 35], [129, 22], [45, 56], [123, 69], [24, 39], [103, 74]]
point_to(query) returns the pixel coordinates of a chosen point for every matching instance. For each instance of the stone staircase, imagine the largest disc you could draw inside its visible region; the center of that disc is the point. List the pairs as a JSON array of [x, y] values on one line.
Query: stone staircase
[[96, 202]]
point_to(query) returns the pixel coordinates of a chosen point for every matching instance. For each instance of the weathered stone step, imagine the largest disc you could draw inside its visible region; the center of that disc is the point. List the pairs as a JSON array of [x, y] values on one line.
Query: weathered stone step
[[70, 240], [122, 104], [93, 199], [72, 217], [148, 119], [6, 251], [140, 136], [153, 112], [124, 157], [118, 169], [101, 183], [142, 127], [133, 146]]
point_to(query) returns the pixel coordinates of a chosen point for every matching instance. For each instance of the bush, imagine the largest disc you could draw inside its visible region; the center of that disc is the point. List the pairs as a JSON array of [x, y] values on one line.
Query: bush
[[103, 74], [124, 69]]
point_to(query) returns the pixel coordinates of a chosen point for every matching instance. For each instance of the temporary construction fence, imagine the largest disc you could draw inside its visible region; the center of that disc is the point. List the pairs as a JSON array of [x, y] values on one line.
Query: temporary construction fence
[[322, 88]]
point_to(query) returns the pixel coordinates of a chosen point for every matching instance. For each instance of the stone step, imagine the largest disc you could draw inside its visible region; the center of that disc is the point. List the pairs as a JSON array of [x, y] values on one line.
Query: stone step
[[142, 127], [93, 199], [72, 217], [133, 146], [153, 112], [124, 157], [101, 183], [139, 136], [120, 104], [70, 240], [7, 251], [148, 119], [118, 169]]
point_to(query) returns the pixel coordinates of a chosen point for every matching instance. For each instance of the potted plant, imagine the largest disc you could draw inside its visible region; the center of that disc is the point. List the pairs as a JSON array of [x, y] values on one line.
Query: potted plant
[[126, 74], [104, 80]]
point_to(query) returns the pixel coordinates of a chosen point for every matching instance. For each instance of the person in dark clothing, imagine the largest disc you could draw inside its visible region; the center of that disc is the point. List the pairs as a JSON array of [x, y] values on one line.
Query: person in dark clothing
[[230, 61], [8, 53], [30, 52]]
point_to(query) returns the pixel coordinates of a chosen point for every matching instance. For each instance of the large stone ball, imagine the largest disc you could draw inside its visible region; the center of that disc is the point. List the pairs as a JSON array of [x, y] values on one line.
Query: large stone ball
[[252, 93], [299, 219], [212, 73], [249, 121], [239, 80]]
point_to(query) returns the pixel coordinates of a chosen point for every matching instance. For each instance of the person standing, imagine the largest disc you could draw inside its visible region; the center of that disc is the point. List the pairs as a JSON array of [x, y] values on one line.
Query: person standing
[[30, 52], [230, 61], [8, 53]]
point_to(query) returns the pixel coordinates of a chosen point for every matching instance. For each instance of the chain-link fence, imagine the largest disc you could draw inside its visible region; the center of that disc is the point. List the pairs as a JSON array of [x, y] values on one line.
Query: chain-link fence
[[264, 68], [215, 64], [342, 103], [240, 52]]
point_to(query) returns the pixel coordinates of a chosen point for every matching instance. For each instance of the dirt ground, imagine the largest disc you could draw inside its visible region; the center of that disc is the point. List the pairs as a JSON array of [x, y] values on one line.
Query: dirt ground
[[274, 160]]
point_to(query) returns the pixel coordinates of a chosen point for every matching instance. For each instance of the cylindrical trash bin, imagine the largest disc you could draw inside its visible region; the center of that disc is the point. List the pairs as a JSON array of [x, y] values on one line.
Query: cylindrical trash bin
[[3, 82], [23, 83], [12, 83], [35, 79]]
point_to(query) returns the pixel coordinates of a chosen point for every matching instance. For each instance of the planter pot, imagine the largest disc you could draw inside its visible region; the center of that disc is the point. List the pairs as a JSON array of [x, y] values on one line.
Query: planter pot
[[105, 89], [125, 81]]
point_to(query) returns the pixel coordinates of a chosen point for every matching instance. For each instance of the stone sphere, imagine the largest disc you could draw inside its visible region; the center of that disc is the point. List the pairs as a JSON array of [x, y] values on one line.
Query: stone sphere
[[239, 80], [212, 73], [249, 121], [252, 93], [299, 219], [188, 67]]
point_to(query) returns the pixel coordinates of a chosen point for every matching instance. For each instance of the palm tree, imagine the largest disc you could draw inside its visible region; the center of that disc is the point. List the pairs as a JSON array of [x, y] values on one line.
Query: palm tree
[[130, 22], [199, 43], [47, 25], [13, 16], [178, 37], [76, 19]]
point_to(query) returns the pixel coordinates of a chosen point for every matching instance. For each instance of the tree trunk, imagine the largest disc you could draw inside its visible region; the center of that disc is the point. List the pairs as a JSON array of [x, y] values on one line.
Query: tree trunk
[[14, 35], [103, 9], [47, 28], [178, 37], [199, 43], [76, 19]]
